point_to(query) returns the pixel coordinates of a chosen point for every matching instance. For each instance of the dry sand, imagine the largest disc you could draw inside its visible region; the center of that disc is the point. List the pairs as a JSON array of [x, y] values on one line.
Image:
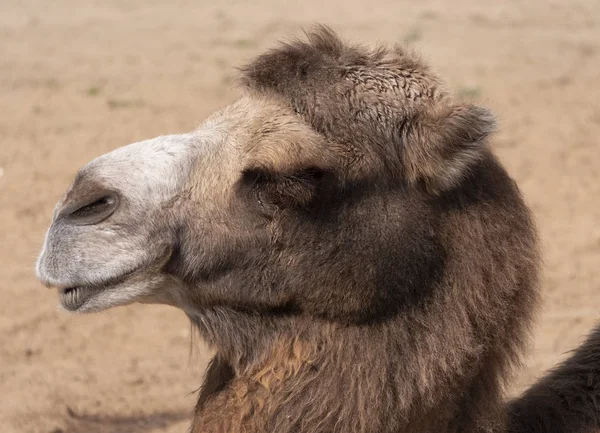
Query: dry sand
[[79, 78]]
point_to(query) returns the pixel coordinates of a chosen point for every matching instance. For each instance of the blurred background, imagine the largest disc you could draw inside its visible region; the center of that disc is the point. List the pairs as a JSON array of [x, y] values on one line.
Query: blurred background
[[79, 78]]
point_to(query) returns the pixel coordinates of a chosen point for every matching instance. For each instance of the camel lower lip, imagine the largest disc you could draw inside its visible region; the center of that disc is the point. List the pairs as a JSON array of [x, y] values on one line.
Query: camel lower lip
[[74, 298]]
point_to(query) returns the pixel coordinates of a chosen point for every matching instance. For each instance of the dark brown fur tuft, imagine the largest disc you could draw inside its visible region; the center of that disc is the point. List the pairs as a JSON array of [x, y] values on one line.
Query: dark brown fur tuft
[[386, 97]]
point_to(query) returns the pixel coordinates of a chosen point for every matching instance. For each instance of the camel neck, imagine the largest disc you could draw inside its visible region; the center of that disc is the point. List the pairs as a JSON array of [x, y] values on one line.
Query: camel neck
[[325, 378]]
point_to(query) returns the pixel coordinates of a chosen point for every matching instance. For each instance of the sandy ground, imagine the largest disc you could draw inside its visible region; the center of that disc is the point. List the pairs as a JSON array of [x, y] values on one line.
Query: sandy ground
[[79, 78]]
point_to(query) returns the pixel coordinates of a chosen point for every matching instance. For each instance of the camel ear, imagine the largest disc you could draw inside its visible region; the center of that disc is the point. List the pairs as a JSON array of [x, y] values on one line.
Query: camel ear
[[441, 147]]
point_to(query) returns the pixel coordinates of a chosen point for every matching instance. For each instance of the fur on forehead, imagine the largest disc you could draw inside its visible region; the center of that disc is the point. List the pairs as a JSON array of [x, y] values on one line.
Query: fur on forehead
[[297, 69], [383, 107], [278, 141], [268, 135], [344, 90]]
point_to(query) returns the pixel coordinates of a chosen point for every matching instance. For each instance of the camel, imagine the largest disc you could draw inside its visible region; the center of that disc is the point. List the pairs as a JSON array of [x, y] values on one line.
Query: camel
[[344, 238]]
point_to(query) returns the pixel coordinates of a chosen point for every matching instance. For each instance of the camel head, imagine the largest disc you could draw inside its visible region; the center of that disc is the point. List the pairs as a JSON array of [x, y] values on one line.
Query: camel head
[[144, 221], [320, 191]]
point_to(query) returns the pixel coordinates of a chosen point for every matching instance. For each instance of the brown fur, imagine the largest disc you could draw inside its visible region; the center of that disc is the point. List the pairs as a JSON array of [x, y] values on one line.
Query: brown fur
[[396, 284]]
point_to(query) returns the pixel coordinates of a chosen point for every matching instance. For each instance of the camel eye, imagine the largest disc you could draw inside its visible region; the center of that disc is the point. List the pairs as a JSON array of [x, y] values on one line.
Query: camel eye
[[95, 211]]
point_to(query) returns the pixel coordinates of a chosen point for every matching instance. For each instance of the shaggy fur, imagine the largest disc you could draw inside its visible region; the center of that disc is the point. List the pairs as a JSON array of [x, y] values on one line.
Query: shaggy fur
[[345, 240], [404, 274]]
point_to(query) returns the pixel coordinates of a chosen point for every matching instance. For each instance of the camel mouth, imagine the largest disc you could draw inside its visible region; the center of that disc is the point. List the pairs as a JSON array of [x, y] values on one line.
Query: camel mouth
[[73, 298], [124, 288], [77, 298]]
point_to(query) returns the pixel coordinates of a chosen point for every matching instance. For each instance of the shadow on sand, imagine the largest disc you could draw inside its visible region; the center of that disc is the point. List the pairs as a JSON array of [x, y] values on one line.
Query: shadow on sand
[[84, 423]]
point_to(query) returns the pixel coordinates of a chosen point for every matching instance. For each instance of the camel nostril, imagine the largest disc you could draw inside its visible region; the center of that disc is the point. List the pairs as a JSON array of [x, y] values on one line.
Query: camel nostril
[[94, 211]]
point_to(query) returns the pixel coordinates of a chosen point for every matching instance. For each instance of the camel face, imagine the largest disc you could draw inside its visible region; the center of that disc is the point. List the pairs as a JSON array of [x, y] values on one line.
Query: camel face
[[134, 218]]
